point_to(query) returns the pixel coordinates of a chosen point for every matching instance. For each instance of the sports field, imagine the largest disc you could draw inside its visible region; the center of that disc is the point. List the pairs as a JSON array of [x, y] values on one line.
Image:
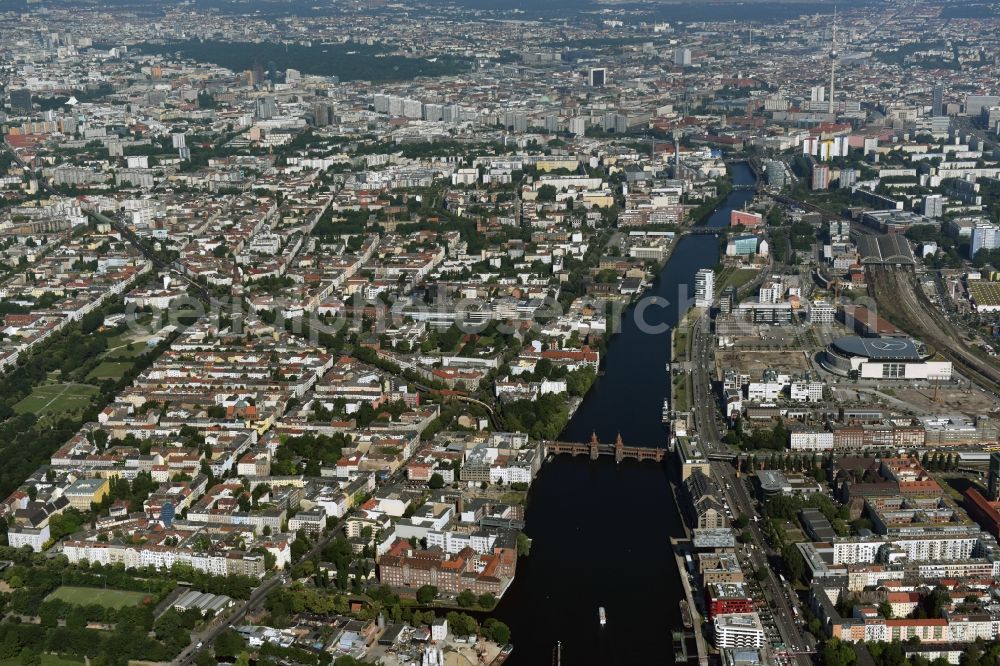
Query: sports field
[[88, 596], [53, 399], [109, 370]]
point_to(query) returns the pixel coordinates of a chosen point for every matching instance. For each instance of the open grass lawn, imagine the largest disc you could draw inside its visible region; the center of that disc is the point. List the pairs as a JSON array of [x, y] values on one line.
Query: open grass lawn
[[513, 497], [47, 660], [680, 345], [56, 399], [735, 277], [118, 345], [110, 370], [88, 596], [120, 350], [679, 398], [124, 353], [793, 535]]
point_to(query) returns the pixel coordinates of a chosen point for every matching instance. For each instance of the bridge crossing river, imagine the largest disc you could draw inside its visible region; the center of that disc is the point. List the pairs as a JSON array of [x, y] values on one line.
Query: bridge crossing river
[[595, 449]]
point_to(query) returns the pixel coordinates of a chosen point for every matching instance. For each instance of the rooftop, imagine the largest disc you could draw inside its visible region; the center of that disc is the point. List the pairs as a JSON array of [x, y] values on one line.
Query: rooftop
[[879, 349]]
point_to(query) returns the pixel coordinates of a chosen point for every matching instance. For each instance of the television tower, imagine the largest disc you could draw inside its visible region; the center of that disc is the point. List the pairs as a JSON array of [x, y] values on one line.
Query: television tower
[[677, 156], [833, 61]]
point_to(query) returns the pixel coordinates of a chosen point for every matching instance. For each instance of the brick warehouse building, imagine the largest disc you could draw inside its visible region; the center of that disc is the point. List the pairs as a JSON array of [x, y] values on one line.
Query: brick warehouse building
[[404, 567]]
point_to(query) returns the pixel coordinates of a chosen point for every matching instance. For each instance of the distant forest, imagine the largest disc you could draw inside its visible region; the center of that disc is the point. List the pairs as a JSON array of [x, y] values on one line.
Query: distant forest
[[759, 11], [685, 11], [971, 10], [349, 62]]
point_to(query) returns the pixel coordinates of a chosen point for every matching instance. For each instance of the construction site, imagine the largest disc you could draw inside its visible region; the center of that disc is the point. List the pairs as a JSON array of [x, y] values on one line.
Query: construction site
[[791, 362]]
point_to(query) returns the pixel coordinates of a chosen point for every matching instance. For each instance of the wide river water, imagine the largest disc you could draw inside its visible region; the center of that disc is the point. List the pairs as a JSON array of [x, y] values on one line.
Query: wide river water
[[601, 531]]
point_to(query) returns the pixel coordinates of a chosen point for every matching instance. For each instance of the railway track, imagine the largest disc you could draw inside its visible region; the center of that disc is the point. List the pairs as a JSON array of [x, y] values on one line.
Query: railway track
[[901, 300]]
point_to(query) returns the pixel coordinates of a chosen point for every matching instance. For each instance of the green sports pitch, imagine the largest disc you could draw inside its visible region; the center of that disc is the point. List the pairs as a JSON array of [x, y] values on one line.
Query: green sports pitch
[[56, 399], [89, 596]]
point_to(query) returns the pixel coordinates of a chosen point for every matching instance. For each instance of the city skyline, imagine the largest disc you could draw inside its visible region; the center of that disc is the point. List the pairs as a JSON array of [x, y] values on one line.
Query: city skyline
[[372, 334]]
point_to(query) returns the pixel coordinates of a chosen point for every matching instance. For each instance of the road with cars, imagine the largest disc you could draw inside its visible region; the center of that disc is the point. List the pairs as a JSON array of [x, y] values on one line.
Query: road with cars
[[200, 640], [776, 598], [703, 401]]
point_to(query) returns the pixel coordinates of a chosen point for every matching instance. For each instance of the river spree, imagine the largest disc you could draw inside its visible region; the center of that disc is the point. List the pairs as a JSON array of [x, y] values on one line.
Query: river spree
[[601, 531]]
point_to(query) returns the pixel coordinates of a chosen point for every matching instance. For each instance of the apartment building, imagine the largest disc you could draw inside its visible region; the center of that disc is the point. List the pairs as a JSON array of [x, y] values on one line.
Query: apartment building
[[740, 631]]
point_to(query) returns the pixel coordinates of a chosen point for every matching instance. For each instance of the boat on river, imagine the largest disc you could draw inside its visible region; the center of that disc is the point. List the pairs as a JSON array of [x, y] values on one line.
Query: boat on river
[[686, 614], [602, 616]]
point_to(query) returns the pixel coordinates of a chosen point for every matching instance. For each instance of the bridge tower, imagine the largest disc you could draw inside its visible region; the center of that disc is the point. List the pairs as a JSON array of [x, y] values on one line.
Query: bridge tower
[[619, 448], [595, 446]]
